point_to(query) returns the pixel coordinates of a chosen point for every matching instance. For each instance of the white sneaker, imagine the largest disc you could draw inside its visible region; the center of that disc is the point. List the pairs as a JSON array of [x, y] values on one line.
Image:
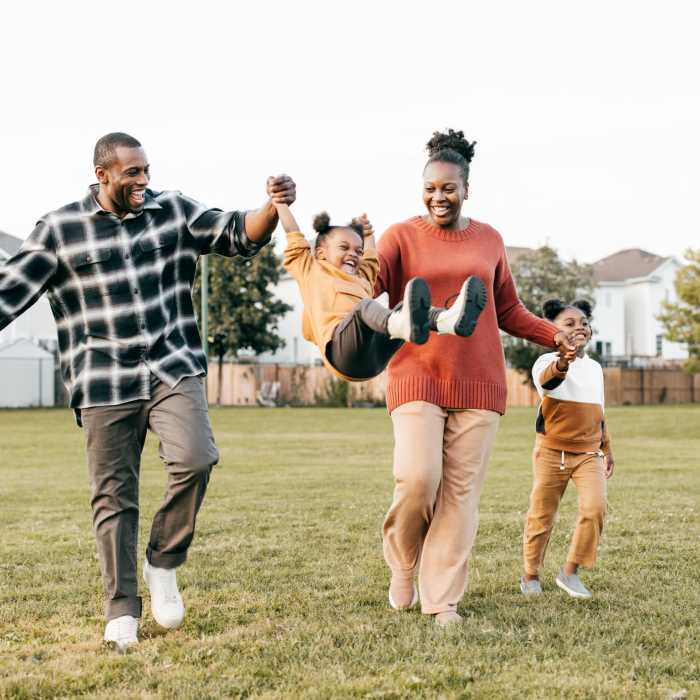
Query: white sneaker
[[411, 323], [166, 602], [122, 632], [461, 317]]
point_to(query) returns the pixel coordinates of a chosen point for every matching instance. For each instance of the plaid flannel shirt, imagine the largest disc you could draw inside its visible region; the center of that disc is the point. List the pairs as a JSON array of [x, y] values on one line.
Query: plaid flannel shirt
[[121, 290]]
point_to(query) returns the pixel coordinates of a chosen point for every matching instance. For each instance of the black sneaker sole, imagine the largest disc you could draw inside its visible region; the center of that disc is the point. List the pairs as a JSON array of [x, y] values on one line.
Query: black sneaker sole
[[474, 303], [419, 307]]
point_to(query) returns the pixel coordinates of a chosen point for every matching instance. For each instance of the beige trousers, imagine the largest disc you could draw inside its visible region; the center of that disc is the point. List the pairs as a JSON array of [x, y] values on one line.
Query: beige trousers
[[440, 458], [552, 470]]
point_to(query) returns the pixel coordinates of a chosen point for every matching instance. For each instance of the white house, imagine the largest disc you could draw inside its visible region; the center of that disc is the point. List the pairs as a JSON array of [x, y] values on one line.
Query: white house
[[296, 349], [630, 288], [37, 323]]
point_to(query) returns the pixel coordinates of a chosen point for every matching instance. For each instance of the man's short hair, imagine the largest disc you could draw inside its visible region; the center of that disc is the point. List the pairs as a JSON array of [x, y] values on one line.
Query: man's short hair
[[106, 147]]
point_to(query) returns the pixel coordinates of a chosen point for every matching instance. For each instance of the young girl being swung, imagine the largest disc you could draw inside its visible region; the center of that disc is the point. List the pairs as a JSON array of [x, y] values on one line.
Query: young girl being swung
[[358, 336]]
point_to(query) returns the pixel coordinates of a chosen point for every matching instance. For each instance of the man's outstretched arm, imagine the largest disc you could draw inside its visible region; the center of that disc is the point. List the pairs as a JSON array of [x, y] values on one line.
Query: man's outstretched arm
[[237, 232], [26, 275]]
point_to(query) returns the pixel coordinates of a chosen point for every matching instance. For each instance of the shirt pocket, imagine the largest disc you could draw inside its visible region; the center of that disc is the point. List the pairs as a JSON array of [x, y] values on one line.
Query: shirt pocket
[[101, 276], [157, 262], [148, 244], [87, 264]]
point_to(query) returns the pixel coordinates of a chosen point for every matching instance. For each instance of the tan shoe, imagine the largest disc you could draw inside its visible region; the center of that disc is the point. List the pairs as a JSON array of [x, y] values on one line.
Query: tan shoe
[[447, 618], [403, 593]]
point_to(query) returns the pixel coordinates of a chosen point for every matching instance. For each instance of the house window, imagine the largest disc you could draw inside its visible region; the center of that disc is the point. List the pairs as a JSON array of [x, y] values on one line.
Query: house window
[[659, 345], [603, 348]]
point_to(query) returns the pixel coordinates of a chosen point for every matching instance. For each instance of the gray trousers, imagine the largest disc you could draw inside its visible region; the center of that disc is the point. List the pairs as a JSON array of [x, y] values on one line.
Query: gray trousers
[[115, 437]]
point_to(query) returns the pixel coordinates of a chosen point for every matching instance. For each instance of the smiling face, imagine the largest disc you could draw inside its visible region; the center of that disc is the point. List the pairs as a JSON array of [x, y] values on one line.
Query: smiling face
[[342, 247], [444, 192], [576, 324], [123, 183]]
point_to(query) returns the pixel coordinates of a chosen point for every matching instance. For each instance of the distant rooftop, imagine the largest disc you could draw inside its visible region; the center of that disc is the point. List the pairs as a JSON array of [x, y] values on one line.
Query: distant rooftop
[[626, 264], [513, 252]]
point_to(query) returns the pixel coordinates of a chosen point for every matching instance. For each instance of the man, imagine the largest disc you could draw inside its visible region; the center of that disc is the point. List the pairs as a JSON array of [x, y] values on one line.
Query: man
[[118, 268]]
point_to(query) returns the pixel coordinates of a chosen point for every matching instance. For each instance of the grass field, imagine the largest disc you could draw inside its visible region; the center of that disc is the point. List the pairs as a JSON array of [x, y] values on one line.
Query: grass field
[[286, 586]]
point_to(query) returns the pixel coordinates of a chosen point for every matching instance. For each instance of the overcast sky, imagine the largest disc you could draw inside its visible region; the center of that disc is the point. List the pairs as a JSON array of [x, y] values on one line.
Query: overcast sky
[[587, 115]]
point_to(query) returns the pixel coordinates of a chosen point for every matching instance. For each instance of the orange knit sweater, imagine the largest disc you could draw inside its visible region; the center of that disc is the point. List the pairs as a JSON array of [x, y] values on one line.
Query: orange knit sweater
[[450, 371]]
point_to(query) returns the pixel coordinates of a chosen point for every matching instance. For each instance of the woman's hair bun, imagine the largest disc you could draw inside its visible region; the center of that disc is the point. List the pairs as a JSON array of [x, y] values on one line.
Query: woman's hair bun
[[322, 222], [452, 140], [583, 305], [552, 308]]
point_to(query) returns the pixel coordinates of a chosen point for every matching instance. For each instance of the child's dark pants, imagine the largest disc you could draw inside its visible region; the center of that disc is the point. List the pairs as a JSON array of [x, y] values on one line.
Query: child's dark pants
[[361, 347]]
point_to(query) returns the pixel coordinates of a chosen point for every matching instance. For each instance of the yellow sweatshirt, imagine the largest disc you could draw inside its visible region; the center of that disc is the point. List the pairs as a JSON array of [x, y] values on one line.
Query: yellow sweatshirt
[[328, 293]]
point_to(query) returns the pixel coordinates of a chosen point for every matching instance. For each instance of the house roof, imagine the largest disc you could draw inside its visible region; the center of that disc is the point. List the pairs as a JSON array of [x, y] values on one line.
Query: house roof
[[513, 252], [23, 349], [9, 243], [626, 264]]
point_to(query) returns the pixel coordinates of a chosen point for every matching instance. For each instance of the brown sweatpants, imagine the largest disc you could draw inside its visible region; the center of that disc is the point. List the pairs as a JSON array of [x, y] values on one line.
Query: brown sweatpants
[[115, 437], [552, 471], [440, 458]]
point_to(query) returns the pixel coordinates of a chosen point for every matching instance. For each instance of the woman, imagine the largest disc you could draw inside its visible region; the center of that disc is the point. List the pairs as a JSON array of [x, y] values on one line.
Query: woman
[[446, 397]]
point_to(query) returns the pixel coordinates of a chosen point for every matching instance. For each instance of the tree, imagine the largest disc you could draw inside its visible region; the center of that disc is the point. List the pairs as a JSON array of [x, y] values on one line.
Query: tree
[[541, 275], [243, 311], [681, 319]]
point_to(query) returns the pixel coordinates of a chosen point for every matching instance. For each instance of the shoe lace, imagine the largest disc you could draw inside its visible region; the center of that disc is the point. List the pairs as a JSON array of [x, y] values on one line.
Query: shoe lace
[[450, 300]]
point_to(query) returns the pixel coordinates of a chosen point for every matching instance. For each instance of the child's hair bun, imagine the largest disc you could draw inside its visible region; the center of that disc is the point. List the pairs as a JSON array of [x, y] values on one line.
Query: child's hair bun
[[322, 222], [583, 305], [552, 308], [452, 140]]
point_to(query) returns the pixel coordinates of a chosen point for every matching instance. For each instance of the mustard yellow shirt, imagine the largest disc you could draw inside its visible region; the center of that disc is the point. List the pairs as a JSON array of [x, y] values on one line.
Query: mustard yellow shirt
[[329, 294]]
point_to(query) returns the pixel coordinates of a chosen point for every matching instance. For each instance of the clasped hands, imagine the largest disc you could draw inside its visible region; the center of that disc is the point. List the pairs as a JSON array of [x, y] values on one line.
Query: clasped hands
[[281, 189]]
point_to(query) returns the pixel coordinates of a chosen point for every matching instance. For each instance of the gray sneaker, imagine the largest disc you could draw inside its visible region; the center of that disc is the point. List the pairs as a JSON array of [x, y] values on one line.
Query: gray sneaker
[[572, 585], [531, 587]]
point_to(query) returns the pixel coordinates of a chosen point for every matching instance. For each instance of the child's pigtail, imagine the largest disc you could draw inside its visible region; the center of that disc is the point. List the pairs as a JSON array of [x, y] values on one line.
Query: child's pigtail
[[584, 306], [552, 308], [322, 223]]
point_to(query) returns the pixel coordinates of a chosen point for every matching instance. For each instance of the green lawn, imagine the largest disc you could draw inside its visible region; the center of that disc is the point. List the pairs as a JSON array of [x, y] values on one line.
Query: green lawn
[[286, 586]]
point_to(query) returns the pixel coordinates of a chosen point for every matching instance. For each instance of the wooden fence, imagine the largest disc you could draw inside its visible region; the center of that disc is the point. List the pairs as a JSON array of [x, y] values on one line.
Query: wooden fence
[[302, 386], [650, 386]]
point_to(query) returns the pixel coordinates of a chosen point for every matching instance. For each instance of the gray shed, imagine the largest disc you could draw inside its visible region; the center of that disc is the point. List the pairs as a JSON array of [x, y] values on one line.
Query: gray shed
[[26, 374]]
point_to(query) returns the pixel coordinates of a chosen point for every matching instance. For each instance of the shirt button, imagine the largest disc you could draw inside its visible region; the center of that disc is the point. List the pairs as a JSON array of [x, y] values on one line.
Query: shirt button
[[142, 326], [136, 291], [127, 256]]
